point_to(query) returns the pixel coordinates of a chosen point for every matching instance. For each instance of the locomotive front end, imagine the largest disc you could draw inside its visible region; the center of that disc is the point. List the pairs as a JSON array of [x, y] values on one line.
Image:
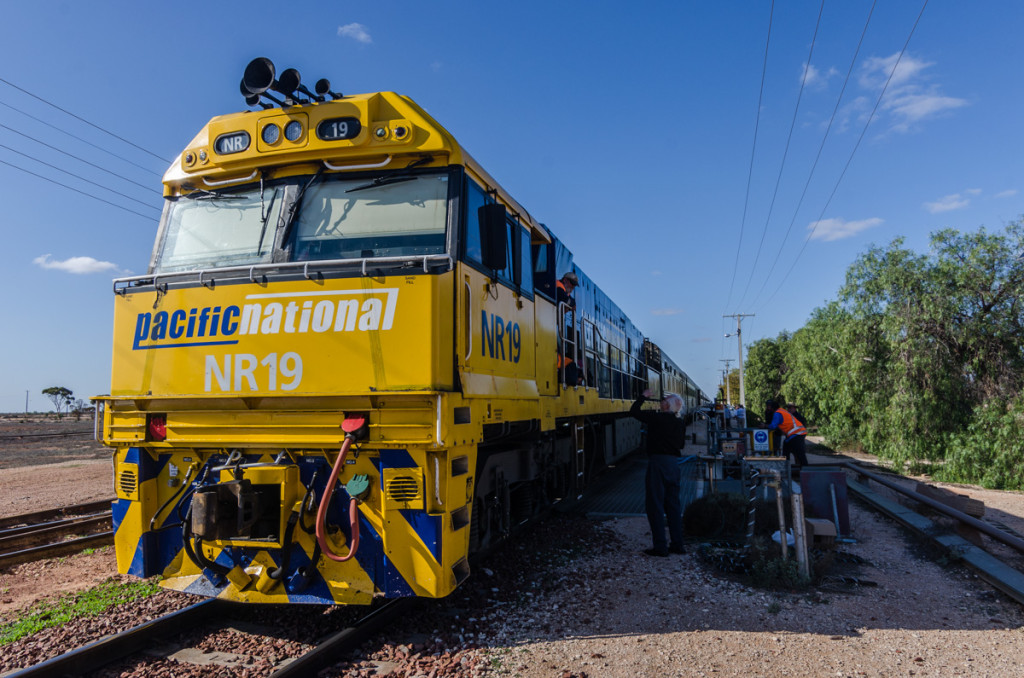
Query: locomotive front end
[[282, 396]]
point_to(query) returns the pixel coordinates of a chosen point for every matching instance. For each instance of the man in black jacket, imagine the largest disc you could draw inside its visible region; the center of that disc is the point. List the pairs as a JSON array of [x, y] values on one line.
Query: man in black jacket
[[666, 436]]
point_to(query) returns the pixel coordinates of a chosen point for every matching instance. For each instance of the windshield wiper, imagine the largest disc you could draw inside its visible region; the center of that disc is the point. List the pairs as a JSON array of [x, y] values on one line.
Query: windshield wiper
[[206, 194], [385, 179], [381, 181]]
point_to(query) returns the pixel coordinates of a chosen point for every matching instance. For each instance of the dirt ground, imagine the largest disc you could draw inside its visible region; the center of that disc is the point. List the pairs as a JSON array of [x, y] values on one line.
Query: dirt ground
[[616, 612], [45, 462]]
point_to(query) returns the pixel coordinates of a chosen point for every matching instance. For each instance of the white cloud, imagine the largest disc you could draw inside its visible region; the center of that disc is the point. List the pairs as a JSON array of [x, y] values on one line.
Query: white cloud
[[813, 77], [947, 203], [357, 32], [973, 191], [77, 265], [666, 311], [837, 229], [810, 74], [908, 99], [875, 71], [1007, 194]]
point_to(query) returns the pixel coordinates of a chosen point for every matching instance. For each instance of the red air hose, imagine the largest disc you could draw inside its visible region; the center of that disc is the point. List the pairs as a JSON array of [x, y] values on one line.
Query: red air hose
[[353, 510]]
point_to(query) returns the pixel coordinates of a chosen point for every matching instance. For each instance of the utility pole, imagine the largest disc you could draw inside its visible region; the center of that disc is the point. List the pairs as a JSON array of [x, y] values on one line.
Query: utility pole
[[728, 389], [739, 340]]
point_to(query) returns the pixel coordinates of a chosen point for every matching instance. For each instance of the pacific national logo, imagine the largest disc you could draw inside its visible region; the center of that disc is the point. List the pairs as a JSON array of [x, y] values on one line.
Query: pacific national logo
[[273, 313]]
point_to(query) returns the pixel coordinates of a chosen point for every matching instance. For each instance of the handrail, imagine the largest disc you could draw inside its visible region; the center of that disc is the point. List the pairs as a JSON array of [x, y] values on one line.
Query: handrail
[[372, 165], [564, 307], [235, 180], [469, 319], [302, 266]]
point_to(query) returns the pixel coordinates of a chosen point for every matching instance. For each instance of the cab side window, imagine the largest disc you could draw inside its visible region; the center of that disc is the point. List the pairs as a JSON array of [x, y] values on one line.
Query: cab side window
[[475, 199], [517, 250]]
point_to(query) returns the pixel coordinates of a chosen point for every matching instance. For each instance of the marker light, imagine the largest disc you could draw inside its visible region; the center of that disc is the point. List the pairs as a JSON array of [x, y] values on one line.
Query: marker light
[[293, 130]]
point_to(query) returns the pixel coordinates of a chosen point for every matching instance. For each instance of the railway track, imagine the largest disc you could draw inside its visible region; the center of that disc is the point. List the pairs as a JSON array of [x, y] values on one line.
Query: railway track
[[991, 568], [54, 532], [215, 614]]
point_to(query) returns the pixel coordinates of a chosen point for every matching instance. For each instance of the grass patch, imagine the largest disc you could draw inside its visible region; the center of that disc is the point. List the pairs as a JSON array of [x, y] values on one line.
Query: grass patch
[[65, 608]]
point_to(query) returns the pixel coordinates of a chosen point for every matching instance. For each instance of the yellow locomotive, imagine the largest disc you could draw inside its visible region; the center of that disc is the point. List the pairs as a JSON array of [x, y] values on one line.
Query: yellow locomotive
[[344, 371]]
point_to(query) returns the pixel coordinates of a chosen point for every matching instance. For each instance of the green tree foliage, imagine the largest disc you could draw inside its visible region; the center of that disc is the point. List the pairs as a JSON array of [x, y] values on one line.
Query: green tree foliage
[[943, 331], [62, 398], [919, 359], [988, 452], [764, 369]]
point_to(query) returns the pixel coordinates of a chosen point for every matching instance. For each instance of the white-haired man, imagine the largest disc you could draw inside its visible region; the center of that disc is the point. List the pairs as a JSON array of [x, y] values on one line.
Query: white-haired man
[[666, 436]]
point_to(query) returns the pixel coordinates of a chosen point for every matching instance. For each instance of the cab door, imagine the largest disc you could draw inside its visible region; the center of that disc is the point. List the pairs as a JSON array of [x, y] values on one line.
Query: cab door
[[497, 350]]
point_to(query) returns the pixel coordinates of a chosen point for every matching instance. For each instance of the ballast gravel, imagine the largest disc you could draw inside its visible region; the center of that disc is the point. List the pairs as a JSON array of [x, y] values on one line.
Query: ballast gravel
[[577, 598]]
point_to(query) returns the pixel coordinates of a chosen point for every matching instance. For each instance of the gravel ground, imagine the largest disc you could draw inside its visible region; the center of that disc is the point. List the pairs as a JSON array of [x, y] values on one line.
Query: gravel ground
[[578, 598]]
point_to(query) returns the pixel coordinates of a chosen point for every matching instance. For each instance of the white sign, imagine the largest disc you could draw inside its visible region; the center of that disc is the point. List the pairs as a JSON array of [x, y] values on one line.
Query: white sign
[[760, 440]]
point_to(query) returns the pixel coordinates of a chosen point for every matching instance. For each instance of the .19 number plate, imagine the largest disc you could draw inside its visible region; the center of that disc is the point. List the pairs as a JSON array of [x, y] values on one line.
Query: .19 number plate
[[337, 129]]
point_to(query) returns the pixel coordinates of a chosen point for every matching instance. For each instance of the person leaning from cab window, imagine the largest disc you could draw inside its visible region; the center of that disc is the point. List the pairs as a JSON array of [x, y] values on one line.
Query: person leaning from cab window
[[565, 286], [666, 436], [793, 431], [566, 365]]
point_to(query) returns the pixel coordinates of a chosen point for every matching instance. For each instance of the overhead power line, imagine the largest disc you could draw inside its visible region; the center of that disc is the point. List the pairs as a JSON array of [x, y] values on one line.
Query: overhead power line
[[71, 188], [785, 152], [753, 148], [83, 160], [88, 181], [75, 136], [853, 152], [821, 147], [91, 124]]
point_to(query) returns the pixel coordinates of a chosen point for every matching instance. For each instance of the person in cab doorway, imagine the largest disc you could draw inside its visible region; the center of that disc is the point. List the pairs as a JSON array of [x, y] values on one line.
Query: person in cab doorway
[[567, 367], [666, 436], [793, 431], [741, 416]]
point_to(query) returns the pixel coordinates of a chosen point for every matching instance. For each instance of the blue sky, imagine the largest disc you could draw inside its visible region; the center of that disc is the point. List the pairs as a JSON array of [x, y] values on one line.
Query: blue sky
[[627, 129]]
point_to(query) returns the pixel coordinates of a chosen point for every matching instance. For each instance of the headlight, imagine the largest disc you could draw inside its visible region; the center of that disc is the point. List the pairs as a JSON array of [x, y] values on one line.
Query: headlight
[[271, 133], [293, 130]]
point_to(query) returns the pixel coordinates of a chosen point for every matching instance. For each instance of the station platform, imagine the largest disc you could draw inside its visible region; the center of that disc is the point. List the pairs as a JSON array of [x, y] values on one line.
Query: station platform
[[619, 492]]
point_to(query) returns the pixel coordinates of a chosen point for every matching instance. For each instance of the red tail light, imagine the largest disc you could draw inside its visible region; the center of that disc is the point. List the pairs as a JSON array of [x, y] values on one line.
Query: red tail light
[[156, 427]]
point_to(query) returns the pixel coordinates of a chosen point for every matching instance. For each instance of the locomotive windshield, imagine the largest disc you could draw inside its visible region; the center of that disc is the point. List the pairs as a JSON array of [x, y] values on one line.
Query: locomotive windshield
[[336, 219], [210, 230], [346, 219]]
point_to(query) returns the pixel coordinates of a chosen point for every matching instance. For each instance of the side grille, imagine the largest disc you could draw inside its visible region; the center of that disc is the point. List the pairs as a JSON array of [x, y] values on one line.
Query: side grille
[[403, 488], [127, 483]]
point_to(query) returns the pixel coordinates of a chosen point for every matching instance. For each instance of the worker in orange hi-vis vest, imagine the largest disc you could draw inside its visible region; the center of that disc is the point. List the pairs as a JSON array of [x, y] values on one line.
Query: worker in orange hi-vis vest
[[793, 431]]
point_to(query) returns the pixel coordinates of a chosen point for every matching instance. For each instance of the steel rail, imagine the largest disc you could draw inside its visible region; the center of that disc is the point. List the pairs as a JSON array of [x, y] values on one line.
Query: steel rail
[[979, 525], [17, 436], [327, 652], [36, 535], [58, 549], [107, 650], [49, 514]]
